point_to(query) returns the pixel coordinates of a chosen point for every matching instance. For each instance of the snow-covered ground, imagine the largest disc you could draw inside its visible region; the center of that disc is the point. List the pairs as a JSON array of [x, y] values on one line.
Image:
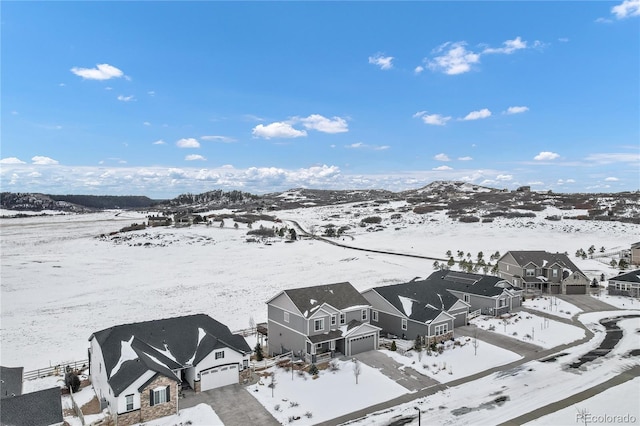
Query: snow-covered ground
[[455, 361], [611, 407], [200, 415], [506, 395], [621, 302], [330, 395], [553, 306], [531, 328], [59, 283]]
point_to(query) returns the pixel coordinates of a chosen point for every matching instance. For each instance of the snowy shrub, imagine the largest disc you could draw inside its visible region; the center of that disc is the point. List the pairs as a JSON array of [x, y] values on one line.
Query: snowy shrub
[[293, 404], [333, 365], [313, 369], [277, 407], [308, 414]]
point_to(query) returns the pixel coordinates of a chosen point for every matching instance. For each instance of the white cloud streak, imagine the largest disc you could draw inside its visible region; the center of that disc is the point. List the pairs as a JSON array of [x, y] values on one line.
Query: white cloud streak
[[129, 98], [277, 130], [477, 115], [516, 110], [546, 156], [43, 161], [11, 160], [216, 138], [100, 72], [195, 157], [384, 62], [323, 124], [188, 143], [626, 9], [441, 157], [432, 119]]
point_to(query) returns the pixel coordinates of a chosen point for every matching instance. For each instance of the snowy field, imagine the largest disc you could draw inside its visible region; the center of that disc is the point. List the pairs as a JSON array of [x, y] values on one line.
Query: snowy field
[[621, 302], [531, 328], [455, 362], [330, 395], [553, 306], [60, 283]]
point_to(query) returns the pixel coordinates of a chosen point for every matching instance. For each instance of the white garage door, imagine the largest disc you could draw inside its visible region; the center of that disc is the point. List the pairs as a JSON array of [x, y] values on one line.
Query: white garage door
[[219, 376]]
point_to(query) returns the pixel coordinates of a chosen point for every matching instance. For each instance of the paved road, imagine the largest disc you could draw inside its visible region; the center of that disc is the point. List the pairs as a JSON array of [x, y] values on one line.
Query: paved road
[[234, 405], [586, 302], [574, 399], [406, 377]]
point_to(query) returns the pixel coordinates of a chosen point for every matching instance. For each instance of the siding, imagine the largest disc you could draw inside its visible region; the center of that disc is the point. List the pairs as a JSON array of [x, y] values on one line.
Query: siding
[[296, 322], [282, 338]]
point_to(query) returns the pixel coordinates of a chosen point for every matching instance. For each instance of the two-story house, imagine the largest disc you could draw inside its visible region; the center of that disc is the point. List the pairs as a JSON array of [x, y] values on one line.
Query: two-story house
[[626, 284], [137, 370], [542, 272], [320, 320], [418, 308]]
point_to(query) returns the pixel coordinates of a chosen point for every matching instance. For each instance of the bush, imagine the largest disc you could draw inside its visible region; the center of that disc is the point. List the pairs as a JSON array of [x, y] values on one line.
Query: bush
[[263, 232], [372, 219], [393, 346], [313, 369], [469, 219]]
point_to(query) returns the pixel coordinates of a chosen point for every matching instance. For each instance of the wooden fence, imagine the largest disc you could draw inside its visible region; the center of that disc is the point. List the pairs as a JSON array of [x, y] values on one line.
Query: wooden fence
[[57, 370]]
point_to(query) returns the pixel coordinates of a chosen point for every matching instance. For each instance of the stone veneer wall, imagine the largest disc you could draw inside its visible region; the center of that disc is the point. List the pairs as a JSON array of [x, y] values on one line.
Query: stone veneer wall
[[148, 412], [441, 338], [198, 387], [129, 418]]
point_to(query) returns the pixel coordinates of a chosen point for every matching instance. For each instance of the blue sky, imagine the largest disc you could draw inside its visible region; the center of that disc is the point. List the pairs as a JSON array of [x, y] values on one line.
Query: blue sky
[[163, 98]]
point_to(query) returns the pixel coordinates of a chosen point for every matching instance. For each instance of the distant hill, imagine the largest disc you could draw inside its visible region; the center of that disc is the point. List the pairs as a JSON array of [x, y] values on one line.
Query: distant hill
[[460, 200]]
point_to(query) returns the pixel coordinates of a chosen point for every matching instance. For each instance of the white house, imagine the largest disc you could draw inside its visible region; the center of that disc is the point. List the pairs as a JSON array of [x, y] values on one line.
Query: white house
[[138, 369]]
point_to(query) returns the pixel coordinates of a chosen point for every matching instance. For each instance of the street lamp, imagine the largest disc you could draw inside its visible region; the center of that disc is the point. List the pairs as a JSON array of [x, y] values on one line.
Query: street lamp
[[419, 415]]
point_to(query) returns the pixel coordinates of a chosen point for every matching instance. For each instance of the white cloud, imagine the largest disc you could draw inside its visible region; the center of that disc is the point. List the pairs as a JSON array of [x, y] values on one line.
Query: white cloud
[[43, 161], [570, 181], [384, 62], [418, 69], [504, 178], [626, 9], [563, 39], [194, 157], [356, 145], [611, 179], [11, 160], [432, 119], [477, 115], [455, 60], [361, 145], [441, 157], [277, 130], [609, 158], [100, 72], [604, 21], [61, 84], [188, 143], [516, 110], [467, 158], [126, 98], [108, 88], [151, 93], [224, 139], [160, 142], [324, 124], [146, 123], [546, 156], [442, 168], [509, 47]]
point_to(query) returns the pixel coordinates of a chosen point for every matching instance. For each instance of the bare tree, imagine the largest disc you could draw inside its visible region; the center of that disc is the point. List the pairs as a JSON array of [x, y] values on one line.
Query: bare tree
[[252, 325], [357, 369], [272, 384], [475, 342]]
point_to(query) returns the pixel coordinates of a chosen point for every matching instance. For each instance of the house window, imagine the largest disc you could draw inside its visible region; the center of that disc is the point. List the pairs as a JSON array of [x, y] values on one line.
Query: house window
[[441, 329], [318, 325], [554, 273], [467, 298], [286, 317], [159, 395], [219, 354], [343, 319], [333, 320], [318, 345], [129, 401], [530, 272], [374, 316], [364, 315], [404, 324], [502, 303], [245, 364]]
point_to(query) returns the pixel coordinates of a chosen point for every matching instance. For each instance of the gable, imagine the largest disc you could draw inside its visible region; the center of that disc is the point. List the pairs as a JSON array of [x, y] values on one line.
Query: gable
[[283, 302], [379, 303], [442, 317], [460, 304], [341, 296]]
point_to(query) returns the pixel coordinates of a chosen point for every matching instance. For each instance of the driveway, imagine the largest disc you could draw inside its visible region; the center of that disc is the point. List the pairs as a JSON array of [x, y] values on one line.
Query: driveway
[[586, 302], [407, 377], [524, 349], [233, 404]]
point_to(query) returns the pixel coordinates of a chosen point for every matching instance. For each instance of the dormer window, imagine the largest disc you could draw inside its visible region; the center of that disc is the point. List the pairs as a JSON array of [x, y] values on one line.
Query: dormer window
[[343, 318]]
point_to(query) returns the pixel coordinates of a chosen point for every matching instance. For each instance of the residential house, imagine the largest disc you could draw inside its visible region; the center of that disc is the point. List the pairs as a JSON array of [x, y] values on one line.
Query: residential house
[[627, 284], [138, 370], [542, 272], [39, 408], [635, 254], [418, 308], [318, 322], [159, 220], [488, 294]]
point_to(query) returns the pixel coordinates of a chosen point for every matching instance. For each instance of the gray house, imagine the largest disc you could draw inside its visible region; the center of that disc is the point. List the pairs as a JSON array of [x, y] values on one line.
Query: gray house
[[488, 294], [542, 272], [317, 322], [635, 254], [417, 308], [627, 284]]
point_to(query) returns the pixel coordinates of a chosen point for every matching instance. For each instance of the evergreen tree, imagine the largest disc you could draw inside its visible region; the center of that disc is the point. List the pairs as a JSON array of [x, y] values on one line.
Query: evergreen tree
[[258, 351], [418, 343], [393, 346], [451, 262]]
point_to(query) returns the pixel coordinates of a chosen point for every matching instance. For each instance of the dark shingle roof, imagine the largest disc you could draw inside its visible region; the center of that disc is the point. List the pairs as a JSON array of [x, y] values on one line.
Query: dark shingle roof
[[325, 337], [423, 299], [631, 277], [483, 285], [542, 259], [10, 381], [163, 345], [41, 408], [339, 295]]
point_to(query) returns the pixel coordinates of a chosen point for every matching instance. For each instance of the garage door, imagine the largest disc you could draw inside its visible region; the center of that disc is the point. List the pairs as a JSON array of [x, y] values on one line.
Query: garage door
[[362, 344], [219, 376], [554, 289], [576, 289], [460, 320]]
